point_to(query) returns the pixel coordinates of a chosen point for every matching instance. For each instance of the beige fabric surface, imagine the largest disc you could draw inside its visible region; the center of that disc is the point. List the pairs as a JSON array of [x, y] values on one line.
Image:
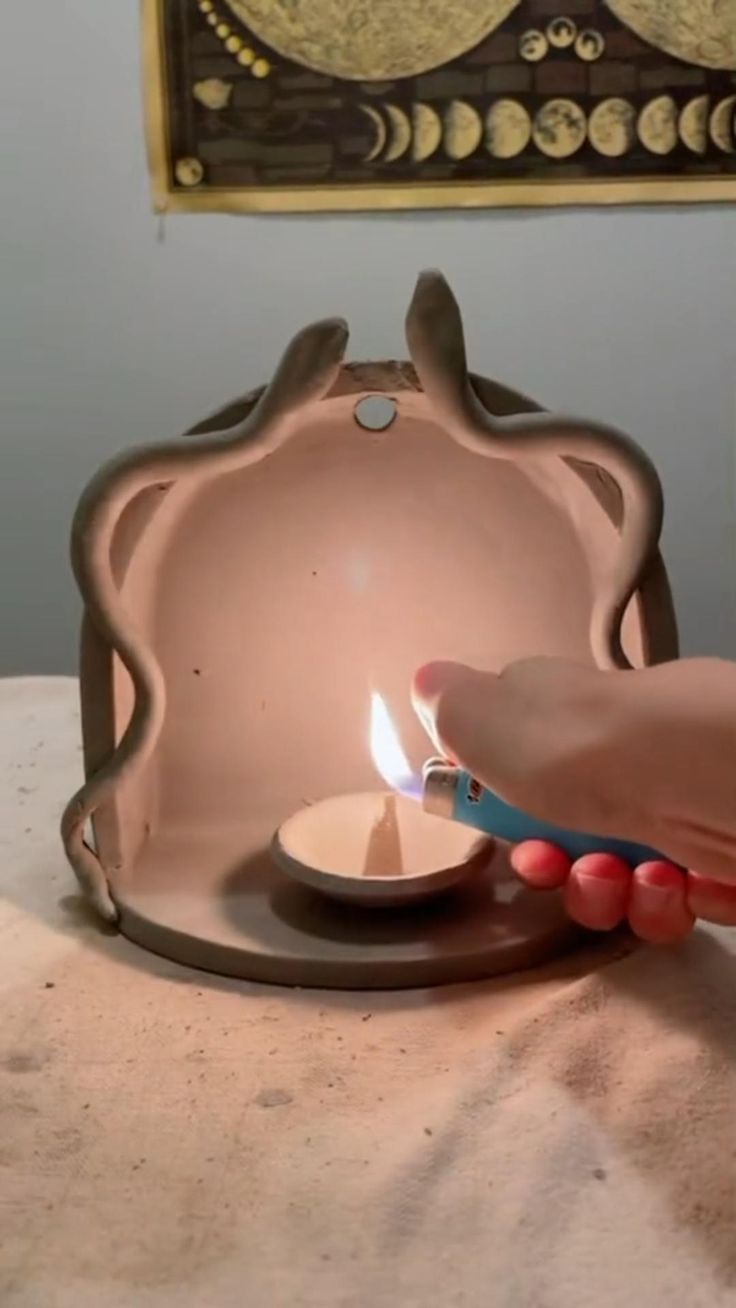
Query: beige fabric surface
[[565, 1140]]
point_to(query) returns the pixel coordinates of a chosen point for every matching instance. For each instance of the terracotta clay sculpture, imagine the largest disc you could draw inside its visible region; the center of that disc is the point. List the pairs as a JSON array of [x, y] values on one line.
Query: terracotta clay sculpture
[[250, 587]]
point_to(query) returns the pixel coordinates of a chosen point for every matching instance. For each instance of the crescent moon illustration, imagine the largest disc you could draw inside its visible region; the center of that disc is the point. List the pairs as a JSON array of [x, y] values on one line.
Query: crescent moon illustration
[[559, 128], [693, 124], [427, 126], [381, 131], [400, 138], [657, 125], [701, 32], [463, 129], [722, 125], [508, 129], [612, 127]]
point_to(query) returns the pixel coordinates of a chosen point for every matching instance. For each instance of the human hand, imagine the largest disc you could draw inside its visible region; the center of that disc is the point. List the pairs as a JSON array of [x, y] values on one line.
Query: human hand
[[566, 744], [659, 900]]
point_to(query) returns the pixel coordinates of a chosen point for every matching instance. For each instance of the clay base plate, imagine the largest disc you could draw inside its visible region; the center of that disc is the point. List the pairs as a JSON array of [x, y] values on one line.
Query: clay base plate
[[197, 903]]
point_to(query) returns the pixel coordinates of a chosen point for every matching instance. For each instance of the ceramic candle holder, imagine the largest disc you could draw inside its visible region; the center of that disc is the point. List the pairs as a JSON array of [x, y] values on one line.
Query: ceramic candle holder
[[248, 586]]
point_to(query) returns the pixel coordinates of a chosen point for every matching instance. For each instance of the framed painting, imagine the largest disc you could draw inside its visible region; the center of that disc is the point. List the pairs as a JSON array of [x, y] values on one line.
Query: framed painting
[[267, 105]]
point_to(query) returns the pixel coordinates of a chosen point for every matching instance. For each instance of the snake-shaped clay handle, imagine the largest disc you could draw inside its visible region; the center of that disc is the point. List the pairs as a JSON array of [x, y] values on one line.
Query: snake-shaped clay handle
[[436, 342], [305, 374]]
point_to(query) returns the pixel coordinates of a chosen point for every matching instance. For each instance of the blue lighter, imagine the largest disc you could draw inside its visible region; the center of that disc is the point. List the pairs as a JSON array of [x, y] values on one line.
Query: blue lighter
[[450, 792]]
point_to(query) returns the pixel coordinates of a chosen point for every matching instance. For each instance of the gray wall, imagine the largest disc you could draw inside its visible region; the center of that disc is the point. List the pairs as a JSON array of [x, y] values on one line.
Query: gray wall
[[117, 330]]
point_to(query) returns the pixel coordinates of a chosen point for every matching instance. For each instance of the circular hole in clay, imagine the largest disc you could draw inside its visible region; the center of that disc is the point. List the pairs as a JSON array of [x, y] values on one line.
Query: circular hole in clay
[[375, 412], [377, 848]]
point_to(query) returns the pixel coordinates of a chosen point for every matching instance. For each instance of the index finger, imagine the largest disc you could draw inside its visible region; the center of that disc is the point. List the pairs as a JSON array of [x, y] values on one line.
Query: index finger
[[431, 683]]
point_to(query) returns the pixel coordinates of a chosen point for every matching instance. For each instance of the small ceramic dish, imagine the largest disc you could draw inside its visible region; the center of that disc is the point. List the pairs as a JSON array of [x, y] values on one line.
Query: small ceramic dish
[[380, 850]]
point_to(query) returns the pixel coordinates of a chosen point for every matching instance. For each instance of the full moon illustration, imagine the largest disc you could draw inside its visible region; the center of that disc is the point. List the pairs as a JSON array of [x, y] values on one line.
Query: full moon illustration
[[693, 124], [427, 126], [533, 45], [374, 41], [701, 32], [400, 136], [561, 33], [657, 125], [612, 127], [380, 129], [188, 171], [559, 128], [723, 124], [508, 129], [463, 129], [589, 45]]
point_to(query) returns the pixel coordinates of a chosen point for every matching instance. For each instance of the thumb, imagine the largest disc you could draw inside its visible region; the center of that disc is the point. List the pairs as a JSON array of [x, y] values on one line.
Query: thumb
[[528, 734], [468, 716]]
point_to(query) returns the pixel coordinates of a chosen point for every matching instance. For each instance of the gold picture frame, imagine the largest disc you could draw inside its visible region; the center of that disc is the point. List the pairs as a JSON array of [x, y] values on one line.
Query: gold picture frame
[[168, 197]]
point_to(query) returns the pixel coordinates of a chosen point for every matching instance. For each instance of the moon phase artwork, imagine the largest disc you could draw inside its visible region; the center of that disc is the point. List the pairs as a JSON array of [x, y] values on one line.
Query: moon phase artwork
[[325, 105]]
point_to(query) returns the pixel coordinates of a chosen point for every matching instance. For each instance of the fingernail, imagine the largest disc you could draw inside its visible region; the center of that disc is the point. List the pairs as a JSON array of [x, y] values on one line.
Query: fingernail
[[656, 899], [433, 679], [428, 680], [607, 893], [659, 886]]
